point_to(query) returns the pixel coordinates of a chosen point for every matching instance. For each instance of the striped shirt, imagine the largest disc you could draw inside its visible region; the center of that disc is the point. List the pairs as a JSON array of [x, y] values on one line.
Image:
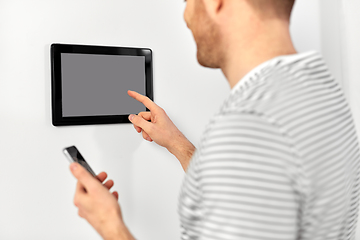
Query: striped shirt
[[280, 160]]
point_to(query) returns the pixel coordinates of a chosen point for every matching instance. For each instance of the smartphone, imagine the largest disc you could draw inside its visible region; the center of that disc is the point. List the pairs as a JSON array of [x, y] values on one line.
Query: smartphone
[[73, 155]]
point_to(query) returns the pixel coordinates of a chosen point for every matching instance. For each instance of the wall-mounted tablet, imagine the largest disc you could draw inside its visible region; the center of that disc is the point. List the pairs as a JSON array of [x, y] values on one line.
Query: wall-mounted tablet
[[90, 83]]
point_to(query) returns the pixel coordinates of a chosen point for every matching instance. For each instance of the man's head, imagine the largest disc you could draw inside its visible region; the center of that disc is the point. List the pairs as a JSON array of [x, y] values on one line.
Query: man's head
[[212, 22]]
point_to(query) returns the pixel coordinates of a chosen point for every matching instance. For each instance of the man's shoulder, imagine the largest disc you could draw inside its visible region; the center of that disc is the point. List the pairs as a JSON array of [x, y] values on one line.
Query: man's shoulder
[[286, 83]]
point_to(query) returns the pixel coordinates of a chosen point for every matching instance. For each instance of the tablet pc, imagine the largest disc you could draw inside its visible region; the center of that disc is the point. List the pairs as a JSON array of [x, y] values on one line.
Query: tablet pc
[[90, 83]]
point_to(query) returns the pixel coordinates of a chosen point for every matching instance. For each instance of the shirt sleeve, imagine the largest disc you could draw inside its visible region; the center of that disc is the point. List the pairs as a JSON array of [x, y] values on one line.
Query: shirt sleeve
[[245, 175]]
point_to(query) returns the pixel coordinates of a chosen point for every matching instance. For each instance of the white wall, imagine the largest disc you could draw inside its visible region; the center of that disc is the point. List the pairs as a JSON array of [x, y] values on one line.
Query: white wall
[[36, 185], [305, 25], [350, 33], [351, 56]]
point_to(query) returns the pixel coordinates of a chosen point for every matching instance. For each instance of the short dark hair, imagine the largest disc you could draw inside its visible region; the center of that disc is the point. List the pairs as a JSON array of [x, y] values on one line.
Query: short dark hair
[[273, 8]]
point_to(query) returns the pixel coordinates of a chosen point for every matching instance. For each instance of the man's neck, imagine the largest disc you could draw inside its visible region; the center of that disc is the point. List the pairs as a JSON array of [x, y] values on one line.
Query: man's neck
[[271, 41]]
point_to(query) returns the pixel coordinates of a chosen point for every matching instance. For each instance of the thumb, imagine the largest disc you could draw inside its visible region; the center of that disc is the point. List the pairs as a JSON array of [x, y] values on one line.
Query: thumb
[[82, 175], [140, 122]]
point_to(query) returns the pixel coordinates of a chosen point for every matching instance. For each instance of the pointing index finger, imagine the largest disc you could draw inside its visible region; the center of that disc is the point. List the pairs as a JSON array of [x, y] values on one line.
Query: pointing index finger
[[143, 99]]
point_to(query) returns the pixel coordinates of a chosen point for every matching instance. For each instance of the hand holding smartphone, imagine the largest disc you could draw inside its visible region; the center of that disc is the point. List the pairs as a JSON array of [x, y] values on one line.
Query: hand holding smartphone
[[73, 155]]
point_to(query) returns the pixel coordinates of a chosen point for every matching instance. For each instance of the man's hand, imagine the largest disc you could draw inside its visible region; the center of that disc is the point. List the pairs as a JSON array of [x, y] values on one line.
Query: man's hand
[[97, 205], [161, 130]]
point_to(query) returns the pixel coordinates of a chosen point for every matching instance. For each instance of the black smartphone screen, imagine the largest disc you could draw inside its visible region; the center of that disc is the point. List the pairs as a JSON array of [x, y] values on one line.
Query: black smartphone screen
[[77, 157]]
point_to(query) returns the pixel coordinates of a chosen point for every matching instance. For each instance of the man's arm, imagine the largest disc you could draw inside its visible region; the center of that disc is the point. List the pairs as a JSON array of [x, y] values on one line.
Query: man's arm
[[95, 202], [98, 206], [161, 130]]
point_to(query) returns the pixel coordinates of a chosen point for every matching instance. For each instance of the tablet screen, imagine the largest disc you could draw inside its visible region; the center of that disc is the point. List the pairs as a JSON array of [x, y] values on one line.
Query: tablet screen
[[95, 85]]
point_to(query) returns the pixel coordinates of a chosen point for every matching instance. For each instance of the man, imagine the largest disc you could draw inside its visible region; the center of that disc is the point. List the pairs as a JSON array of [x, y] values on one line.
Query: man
[[279, 161]]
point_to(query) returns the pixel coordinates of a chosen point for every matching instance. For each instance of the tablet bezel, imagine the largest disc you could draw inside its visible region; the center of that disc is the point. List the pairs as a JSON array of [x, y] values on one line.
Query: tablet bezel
[[56, 81]]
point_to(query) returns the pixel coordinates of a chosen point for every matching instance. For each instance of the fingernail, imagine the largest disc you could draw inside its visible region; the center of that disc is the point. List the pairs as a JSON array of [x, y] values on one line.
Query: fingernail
[[73, 167], [131, 116], [148, 138]]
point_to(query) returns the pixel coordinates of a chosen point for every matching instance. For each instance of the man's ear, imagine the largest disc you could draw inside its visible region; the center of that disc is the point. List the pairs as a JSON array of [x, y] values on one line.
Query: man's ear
[[213, 7]]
